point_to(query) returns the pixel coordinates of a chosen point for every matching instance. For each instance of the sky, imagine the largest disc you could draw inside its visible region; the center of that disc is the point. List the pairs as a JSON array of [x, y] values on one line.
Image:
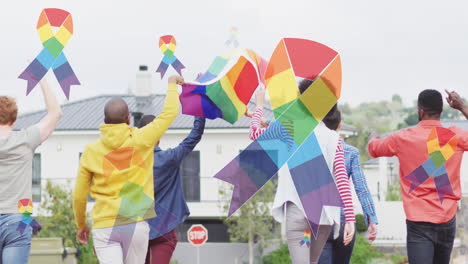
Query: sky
[[387, 47]]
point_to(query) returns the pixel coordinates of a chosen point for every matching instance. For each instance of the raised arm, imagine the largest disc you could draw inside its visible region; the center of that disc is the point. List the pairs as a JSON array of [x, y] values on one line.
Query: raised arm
[[189, 143], [152, 132], [456, 102], [255, 123], [54, 112]]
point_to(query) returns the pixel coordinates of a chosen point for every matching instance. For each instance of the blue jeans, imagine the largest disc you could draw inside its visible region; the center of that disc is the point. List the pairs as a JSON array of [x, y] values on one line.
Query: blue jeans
[[335, 252], [430, 243], [14, 246]]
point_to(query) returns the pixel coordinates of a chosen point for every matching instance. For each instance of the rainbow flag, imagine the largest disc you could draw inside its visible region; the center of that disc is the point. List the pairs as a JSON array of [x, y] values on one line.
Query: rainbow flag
[[296, 115], [226, 88]]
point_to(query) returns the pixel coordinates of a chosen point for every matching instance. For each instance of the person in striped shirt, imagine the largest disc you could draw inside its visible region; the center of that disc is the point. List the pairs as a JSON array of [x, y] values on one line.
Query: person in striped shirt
[[287, 207], [334, 251]]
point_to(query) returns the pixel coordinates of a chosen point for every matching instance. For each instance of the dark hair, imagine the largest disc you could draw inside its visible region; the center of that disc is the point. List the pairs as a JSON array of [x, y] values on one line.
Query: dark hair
[[146, 119], [430, 101], [333, 119], [304, 84]]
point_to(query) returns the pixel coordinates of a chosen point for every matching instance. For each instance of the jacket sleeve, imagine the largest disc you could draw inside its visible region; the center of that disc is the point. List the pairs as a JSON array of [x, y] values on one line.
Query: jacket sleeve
[[362, 190], [150, 134], [342, 183], [384, 147], [188, 144], [80, 194]]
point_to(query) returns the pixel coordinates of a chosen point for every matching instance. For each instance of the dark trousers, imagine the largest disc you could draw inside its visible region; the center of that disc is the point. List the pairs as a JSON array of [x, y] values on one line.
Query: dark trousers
[[335, 252], [430, 243], [160, 249]]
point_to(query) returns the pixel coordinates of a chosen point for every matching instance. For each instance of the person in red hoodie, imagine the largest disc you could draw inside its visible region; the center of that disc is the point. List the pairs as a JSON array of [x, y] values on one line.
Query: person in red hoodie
[[430, 157]]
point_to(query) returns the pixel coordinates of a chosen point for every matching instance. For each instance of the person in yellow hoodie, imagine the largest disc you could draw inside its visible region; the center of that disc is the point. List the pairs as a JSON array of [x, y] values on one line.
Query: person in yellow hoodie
[[116, 171]]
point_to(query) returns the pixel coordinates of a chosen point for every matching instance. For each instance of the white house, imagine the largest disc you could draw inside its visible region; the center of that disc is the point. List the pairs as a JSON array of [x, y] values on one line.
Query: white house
[[58, 158]]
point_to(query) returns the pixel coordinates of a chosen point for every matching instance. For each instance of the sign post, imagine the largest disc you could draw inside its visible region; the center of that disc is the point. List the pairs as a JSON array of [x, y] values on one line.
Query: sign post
[[197, 235]]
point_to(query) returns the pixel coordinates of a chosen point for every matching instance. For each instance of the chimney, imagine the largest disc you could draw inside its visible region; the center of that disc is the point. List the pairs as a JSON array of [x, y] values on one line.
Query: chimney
[[143, 82], [143, 89]]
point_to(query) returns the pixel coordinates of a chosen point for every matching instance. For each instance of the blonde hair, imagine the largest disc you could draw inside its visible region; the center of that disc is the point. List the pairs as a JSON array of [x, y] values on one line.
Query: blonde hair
[[8, 110]]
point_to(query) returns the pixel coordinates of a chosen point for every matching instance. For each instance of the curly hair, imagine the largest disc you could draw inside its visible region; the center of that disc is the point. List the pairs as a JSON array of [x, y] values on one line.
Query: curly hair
[[8, 110]]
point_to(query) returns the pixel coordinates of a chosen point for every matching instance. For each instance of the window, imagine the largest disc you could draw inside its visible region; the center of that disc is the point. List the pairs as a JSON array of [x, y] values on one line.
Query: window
[[36, 178], [190, 175]]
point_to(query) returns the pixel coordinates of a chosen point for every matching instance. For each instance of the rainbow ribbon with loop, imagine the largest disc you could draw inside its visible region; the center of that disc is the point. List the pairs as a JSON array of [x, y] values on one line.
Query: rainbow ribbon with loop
[[441, 145], [167, 45], [52, 55], [25, 207], [306, 239]]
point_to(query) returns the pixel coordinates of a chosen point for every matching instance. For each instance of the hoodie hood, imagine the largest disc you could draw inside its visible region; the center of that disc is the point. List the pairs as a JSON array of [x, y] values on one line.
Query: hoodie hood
[[114, 136]]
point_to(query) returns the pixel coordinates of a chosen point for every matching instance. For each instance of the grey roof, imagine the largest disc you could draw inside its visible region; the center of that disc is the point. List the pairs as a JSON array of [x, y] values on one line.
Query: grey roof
[[88, 114]]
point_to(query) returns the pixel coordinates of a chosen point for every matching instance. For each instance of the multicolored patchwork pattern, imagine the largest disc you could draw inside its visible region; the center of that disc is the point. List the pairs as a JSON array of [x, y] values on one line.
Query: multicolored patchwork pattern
[[167, 45], [226, 88], [441, 145], [135, 204], [52, 55], [25, 207], [298, 115]]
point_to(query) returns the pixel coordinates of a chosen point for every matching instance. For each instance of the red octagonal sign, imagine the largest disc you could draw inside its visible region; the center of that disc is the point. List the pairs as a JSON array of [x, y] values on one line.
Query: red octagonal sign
[[197, 235]]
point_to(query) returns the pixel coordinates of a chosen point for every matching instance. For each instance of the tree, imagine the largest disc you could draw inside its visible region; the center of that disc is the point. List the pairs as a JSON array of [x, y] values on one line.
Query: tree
[[57, 201], [397, 98], [393, 193], [253, 222]]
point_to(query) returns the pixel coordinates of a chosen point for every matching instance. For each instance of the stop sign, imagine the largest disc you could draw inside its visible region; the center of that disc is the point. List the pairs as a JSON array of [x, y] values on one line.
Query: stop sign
[[197, 235]]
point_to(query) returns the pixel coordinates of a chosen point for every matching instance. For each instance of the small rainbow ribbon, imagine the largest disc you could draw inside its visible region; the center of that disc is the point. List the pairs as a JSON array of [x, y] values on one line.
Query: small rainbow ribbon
[[233, 33], [25, 207], [167, 44], [306, 239], [441, 145], [52, 56]]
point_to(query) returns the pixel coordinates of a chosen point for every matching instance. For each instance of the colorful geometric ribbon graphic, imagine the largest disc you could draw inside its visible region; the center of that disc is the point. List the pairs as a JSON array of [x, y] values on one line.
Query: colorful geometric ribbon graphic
[[233, 33], [226, 88], [306, 239], [167, 44], [52, 56], [256, 165], [25, 207], [135, 204], [441, 145]]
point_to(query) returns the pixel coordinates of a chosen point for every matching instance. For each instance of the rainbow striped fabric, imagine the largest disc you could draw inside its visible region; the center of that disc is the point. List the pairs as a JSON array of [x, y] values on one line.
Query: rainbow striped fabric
[[226, 88], [298, 115], [52, 55], [441, 145]]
